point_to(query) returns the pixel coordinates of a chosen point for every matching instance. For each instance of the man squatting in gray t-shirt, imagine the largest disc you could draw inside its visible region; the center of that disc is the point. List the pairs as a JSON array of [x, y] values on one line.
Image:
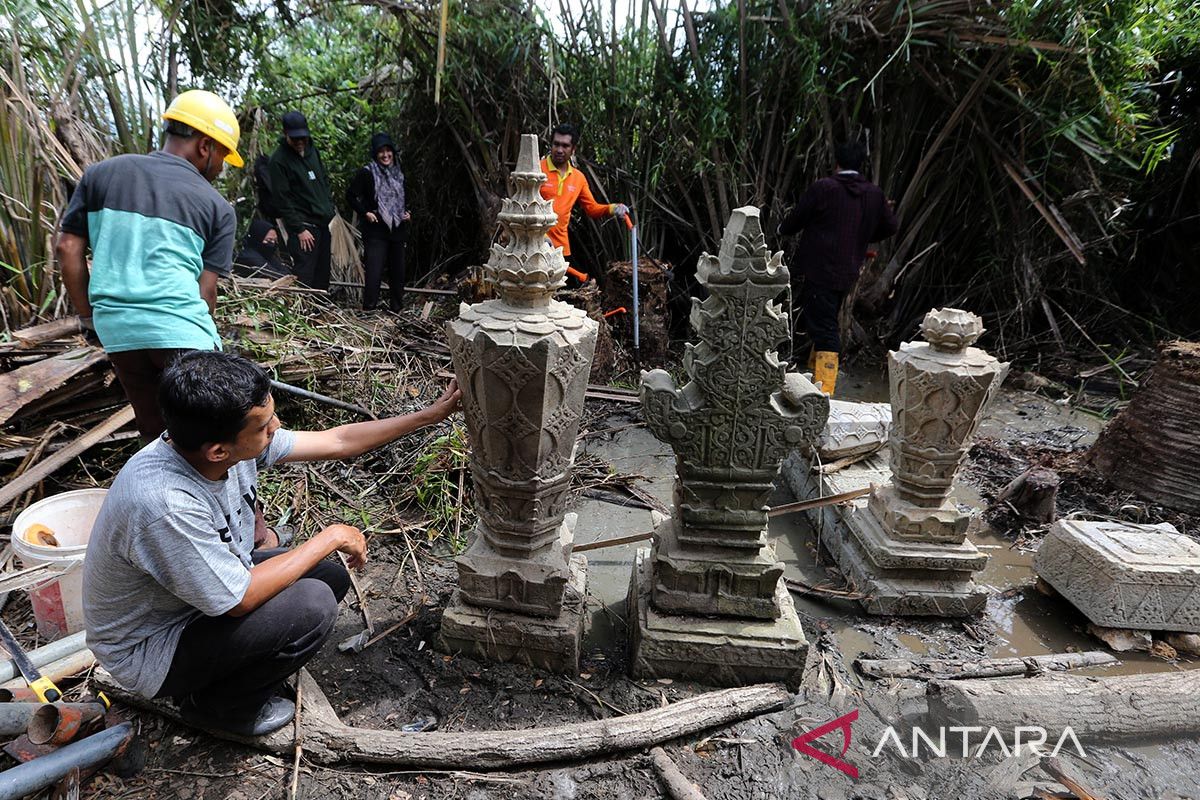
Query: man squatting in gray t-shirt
[[176, 600]]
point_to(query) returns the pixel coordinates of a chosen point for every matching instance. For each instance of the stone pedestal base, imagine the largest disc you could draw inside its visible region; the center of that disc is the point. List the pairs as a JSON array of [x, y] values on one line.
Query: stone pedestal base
[[899, 577], [549, 643], [531, 585], [715, 651], [713, 581]]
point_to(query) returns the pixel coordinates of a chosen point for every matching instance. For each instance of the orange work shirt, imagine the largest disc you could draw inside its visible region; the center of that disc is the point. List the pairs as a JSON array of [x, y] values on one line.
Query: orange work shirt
[[563, 189]]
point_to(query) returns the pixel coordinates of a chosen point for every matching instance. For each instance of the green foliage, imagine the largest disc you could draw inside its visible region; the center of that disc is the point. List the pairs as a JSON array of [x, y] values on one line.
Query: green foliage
[[435, 485]]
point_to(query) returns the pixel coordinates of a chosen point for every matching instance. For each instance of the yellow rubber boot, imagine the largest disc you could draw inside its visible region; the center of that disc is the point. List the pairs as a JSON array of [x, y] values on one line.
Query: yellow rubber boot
[[826, 371]]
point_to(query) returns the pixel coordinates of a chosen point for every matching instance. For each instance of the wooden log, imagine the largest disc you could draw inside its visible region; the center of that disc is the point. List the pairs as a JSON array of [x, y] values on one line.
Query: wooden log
[[1122, 707], [1032, 494], [26, 384], [675, 782], [1153, 446], [47, 331], [939, 669], [36, 474], [328, 740]]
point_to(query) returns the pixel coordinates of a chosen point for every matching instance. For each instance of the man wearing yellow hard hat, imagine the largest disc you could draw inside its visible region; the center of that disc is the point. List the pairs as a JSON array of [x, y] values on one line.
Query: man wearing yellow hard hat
[[160, 235]]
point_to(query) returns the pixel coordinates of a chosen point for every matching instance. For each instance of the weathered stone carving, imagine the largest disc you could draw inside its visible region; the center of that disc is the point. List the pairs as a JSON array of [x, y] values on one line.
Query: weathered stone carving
[[730, 427], [1122, 575], [907, 550], [854, 429], [522, 361]]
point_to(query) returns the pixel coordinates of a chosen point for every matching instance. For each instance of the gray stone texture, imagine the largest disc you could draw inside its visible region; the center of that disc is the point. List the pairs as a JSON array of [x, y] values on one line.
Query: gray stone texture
[[720, 651], [853, 429], [522, 361], [730, 426], [905, 548], [1122, 575], [546, 643]]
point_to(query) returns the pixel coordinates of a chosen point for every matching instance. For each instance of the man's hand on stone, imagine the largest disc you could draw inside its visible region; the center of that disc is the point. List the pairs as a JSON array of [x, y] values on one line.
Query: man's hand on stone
[[307, 241], [447, 404], [351, 542]]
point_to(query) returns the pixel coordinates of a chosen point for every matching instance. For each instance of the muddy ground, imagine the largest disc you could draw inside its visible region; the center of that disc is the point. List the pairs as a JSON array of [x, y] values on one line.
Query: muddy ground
[[403, 677]]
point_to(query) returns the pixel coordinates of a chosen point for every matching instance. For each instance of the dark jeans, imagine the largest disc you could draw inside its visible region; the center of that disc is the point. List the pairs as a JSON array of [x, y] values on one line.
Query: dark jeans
[[385, 256], [238, 663], [311, 268], [821, 306], [139, 372]]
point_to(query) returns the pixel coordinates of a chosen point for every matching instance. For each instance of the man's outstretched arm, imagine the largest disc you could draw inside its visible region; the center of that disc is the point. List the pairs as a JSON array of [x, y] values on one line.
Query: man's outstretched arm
[[348, 441]]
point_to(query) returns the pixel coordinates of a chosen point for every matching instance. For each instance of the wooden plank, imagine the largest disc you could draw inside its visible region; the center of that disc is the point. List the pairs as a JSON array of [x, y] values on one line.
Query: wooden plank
[[26, 384], [47, 331], [36, 474]]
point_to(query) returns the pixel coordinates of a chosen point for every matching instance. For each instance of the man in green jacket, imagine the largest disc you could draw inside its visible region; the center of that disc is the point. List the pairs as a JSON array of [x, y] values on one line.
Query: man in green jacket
[[300, 190]]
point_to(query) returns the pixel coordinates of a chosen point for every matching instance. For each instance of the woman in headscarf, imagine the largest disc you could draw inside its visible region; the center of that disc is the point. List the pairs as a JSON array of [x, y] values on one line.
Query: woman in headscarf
[[259, 257], [377, 194]]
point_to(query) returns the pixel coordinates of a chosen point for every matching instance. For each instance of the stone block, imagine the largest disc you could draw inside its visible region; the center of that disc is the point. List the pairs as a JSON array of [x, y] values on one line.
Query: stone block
[[712, 581], [532, 585], [854, 428], [899, 577], [487, 634], [714, 651], [1122, 575]]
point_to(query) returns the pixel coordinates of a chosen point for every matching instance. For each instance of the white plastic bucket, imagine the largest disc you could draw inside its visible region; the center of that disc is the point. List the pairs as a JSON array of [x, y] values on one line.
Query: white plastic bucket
[[58, 600]]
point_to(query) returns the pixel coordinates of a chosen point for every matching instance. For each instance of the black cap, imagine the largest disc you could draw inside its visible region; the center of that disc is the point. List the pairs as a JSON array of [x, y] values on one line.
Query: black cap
[[295, 126], [380, 141]]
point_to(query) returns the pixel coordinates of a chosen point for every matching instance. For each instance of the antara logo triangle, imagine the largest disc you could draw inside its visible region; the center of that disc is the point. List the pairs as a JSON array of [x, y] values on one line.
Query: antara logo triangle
[[842, 723]]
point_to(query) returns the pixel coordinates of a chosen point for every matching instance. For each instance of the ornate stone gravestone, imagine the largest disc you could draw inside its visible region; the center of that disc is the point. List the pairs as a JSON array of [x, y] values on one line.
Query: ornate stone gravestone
[[1121, 575], [522, 362], [709, 603], [907, 550]]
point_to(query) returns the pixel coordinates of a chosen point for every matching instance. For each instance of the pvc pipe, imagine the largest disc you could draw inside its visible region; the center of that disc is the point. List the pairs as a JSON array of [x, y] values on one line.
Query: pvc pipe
[[91, 752], [66, 646], [58, 670], [636, 306]]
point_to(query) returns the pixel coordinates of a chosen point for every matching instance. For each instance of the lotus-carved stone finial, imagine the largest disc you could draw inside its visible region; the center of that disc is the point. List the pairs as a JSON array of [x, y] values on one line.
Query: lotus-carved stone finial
[[951, 329]]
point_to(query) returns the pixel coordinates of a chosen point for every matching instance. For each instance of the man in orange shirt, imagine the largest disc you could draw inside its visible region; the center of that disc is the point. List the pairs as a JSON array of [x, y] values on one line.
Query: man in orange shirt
[[565, 185]]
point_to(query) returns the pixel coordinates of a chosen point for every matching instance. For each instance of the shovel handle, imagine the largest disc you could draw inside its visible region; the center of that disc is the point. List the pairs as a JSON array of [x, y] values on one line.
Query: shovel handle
[[577, 275]]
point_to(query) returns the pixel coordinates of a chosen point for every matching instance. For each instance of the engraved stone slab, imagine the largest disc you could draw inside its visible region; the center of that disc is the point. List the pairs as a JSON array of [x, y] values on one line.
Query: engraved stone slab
[[854, 428], [546, 643], [1122, 575], [715, 651]]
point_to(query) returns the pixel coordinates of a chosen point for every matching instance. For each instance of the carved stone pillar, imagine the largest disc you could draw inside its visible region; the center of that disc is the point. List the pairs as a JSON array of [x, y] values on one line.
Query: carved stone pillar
[[522, 362], [907, 550], [709, 599]]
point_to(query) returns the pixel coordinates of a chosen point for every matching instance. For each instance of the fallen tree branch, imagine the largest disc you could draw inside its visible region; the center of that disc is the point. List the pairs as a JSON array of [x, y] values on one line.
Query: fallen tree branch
[[1122, 707], [675, 782], [819, 502], [939, 669], [328, 740], [36, 474]]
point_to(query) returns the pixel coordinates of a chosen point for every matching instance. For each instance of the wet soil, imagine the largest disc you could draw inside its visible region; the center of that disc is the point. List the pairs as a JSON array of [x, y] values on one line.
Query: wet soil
[[403, 677]]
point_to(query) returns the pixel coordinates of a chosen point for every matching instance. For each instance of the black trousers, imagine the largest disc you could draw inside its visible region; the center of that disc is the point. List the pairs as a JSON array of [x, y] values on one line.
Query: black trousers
[[820, 308], [139, 372], [311, 268], [385, 256], [238, 663]]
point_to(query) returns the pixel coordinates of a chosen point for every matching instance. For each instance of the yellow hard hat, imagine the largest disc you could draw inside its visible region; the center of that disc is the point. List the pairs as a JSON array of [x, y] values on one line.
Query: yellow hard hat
[[211, 116]]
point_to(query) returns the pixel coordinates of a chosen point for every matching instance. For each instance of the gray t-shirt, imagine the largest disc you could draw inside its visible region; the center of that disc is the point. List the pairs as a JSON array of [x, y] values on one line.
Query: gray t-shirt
[[168, 546]]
